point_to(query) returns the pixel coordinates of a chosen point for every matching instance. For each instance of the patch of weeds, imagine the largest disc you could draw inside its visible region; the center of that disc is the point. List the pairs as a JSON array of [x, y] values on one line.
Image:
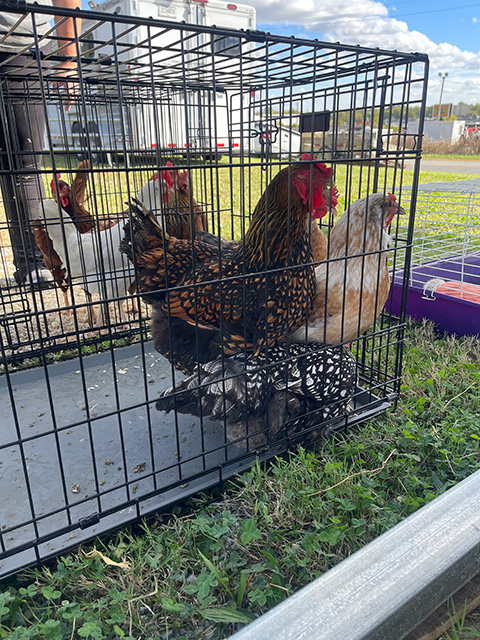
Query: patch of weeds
[[461, 629]]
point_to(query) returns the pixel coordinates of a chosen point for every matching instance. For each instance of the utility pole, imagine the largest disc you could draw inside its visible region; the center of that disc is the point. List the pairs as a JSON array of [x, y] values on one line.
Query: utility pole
[[442, 76]]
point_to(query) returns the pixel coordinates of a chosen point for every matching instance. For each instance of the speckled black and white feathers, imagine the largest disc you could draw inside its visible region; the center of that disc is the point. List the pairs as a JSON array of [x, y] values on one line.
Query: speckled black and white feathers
[[292, 391]]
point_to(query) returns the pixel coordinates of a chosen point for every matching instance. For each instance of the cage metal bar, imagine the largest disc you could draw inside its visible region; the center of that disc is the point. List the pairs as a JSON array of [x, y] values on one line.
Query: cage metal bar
[[256, 36]]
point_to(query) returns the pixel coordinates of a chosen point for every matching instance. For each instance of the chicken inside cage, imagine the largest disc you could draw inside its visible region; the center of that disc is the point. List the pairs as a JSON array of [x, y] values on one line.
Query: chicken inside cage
[[218, 256]]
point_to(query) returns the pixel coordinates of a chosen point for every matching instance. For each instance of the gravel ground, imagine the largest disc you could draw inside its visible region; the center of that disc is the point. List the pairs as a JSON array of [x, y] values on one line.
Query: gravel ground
[[31, 320]]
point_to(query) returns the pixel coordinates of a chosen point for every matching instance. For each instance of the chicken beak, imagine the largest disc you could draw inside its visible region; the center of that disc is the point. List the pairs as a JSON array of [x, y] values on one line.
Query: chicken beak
[[391, 213]]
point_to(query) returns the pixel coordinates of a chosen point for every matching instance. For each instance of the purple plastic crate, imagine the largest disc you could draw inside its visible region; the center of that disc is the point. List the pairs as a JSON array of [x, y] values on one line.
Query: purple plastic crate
[[454, 315]]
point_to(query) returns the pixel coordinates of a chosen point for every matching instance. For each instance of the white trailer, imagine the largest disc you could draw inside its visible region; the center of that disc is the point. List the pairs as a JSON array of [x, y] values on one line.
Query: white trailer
[[204, 121]]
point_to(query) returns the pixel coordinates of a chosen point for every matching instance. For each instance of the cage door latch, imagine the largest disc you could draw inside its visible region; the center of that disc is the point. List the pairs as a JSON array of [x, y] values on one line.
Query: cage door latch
[[89, 521]]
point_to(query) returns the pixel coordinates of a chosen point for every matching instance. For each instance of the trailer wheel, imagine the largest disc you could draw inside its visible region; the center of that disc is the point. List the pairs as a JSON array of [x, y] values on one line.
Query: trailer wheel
[[213, 157]]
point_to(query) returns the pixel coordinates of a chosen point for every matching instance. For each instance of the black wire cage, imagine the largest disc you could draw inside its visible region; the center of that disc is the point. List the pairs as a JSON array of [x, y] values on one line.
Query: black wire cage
[[195, 123]]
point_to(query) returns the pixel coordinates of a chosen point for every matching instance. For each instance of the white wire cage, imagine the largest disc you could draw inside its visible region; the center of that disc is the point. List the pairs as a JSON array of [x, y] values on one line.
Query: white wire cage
[[444, 281]]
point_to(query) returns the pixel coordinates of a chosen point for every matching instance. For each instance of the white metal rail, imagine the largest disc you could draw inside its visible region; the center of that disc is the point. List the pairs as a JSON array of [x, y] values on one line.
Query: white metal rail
[[386, 589]]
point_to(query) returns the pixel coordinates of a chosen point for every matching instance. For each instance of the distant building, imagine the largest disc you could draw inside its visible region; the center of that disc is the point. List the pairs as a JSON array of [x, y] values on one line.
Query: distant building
[[447, 130], [461, 109]]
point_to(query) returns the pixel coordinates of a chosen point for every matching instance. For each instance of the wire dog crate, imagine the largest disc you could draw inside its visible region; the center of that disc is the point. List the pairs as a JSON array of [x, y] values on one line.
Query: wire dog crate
[[444, 282], [213, 116]]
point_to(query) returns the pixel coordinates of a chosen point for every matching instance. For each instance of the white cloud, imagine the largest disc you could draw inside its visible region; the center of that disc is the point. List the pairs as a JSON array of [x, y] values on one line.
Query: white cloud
[[367, 23], [312, 13]]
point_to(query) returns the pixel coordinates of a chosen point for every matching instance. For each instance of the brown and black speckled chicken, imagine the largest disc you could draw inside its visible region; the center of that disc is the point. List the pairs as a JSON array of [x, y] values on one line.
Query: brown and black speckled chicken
[[318, 240], [245, 295]]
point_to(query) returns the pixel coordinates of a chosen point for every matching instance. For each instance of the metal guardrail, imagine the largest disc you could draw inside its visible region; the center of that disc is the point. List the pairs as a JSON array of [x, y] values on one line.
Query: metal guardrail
[[385, 590]]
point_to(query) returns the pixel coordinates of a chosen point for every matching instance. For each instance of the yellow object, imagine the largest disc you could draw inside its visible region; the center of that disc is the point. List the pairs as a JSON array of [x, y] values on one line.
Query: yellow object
[[95, 553]]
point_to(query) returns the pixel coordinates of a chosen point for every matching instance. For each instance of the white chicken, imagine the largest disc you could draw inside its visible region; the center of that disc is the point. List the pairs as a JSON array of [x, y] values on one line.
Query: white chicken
[[154, 195], [92, 258]]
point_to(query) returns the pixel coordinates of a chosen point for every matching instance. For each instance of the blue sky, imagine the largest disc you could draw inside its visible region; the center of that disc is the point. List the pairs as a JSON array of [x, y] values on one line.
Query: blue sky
[[449, 34], [437, 19]]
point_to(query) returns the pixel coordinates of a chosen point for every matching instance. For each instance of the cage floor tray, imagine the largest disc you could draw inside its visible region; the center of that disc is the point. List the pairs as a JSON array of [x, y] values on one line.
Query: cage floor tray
[[92, 445], [449, 313]]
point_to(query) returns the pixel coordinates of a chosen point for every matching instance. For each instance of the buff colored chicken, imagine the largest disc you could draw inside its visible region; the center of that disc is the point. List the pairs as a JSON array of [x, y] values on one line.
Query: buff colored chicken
[[353, 285]]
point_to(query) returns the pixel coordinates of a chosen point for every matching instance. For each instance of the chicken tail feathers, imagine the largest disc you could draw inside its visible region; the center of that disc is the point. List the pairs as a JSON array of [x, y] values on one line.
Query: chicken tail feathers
[[145, 218], [141, 233]]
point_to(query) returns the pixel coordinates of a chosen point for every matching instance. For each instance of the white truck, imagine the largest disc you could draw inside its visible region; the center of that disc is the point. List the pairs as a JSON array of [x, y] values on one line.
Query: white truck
[[204, 121], [197, 119]]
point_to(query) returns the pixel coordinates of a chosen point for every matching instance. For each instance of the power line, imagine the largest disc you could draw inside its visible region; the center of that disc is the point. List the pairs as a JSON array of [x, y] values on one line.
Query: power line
[[417, 13], [397, 2], [334, 21]]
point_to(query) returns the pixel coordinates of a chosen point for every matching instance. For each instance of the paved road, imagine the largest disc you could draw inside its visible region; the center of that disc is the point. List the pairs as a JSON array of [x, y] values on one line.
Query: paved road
[[455, 166]]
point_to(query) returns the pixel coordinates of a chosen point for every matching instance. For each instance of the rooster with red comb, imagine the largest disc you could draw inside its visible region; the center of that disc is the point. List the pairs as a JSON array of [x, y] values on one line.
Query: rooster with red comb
[[239, 295], [318, 241]]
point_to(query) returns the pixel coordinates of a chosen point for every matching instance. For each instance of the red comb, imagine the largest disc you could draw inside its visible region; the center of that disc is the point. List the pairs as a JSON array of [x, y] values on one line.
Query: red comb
[[324, 169], [392, 197], [321, 166], [168, 175], [334, 196], [53, 184]]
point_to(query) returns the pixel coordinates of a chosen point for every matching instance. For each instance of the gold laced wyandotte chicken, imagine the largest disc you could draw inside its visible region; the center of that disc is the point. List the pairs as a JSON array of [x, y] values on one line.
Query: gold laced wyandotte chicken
[[211, 300]]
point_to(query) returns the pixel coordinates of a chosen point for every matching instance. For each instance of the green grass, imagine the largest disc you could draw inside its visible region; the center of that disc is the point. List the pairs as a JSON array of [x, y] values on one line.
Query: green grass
[[229, 192], [225, 559], [464, 627]]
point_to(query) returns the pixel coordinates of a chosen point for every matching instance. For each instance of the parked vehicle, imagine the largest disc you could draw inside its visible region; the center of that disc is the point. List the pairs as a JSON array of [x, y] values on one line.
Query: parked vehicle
[[214, 115], [275, 139]]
